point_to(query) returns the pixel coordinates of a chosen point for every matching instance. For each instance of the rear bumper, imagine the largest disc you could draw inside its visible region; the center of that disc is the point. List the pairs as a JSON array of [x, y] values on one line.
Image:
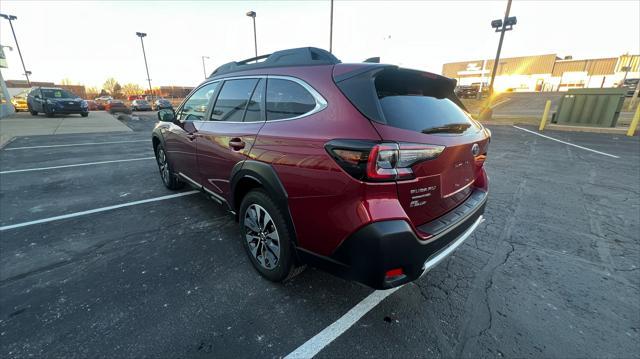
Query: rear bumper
[[376, 248]]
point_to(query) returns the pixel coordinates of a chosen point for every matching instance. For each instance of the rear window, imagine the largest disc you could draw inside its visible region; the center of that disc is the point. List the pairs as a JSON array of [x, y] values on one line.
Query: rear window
[[424, 113], [408, 99]]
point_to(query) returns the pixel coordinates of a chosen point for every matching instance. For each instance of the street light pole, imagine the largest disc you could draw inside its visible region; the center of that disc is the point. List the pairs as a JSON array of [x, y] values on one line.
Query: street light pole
[[331, 29], [10, 18], [252, 14], [503, 29], [204, 69], [144, 54]]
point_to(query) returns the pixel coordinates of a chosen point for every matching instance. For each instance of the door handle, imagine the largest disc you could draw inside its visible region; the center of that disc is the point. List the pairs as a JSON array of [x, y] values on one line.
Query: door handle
[[191, 136], [236, 144]]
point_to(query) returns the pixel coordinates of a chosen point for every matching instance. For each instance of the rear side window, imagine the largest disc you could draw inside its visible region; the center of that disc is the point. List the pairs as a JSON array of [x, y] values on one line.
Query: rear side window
[[233, 100], [287, 99]]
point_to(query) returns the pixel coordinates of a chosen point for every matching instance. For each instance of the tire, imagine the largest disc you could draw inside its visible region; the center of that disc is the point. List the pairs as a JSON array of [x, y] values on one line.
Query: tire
[[167, 175], [49, 114], [269, 246], [34, 113], [84, 114]]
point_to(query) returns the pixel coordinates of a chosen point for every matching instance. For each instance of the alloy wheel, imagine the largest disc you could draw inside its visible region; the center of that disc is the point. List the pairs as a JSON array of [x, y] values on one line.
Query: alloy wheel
[[163, 166], [262, 236]]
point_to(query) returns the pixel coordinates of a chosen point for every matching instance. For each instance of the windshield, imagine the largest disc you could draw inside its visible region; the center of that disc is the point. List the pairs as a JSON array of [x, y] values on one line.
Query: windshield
[[141, 102], [56, 93]]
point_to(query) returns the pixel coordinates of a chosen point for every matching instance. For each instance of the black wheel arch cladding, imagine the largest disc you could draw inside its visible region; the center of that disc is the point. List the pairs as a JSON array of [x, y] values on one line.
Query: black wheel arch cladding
[[266, 177]]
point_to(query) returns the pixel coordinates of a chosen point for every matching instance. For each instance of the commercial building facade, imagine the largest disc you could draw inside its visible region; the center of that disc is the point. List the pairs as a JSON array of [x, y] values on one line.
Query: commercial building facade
[[545, 72], [17, 86]]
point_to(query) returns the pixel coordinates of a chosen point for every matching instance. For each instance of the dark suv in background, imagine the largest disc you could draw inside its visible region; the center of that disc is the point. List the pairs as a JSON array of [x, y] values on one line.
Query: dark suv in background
[[370, 171], [52, 101]]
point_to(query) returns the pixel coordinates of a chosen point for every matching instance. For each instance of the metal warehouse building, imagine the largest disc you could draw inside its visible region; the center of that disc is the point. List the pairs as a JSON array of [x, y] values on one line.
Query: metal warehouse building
[[546, 72]]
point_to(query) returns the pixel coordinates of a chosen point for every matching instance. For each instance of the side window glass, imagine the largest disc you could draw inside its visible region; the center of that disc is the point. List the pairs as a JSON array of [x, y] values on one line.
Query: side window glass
[[233, 100], [287, 99], [195, 107], [253, 113]]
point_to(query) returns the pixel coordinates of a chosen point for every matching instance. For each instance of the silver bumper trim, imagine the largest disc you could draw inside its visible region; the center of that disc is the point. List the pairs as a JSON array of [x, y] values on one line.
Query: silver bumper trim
[[435, 260]]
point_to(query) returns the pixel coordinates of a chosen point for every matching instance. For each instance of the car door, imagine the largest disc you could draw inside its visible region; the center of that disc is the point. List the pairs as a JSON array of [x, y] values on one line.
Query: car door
[[180, 136], [227, 137], [37, 101]]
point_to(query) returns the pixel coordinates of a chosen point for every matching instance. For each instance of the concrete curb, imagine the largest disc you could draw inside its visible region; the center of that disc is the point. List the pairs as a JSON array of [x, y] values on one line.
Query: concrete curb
[[5, 140], [609, 130]]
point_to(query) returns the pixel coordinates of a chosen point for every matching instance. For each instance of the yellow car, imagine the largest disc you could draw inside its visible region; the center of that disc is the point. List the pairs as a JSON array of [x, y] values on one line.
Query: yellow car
[[19, 103]]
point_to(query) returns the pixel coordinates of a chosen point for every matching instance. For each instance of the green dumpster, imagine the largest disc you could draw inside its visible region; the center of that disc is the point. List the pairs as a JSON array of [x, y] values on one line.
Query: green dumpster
[[590, 107]]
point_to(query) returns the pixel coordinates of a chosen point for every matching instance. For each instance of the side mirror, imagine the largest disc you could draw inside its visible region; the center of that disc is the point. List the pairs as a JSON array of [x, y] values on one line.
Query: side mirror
[[166, 115]]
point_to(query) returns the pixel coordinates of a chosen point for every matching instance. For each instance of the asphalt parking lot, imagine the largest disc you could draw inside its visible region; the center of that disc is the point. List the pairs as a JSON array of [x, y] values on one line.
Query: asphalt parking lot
[[553, 272]]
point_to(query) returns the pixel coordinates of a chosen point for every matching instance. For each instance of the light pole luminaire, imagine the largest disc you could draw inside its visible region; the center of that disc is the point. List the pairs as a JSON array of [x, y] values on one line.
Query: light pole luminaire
[[252, 14], [10, 18], [144, 54]]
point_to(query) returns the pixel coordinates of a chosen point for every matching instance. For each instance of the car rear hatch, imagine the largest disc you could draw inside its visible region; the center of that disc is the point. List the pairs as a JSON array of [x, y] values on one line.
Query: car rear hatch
[[439, 147]]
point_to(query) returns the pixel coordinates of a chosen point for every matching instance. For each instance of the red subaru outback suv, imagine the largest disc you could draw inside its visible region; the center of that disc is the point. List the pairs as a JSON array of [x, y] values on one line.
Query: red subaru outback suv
[[370, 171]]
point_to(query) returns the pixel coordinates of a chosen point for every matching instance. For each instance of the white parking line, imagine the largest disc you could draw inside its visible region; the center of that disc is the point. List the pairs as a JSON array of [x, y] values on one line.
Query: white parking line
[[314, 345], [567, 143], [97, 210], [76, 165], [73, 144]]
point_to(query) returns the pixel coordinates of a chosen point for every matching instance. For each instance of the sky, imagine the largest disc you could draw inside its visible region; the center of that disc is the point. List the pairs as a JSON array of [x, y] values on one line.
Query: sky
[[87, 42]]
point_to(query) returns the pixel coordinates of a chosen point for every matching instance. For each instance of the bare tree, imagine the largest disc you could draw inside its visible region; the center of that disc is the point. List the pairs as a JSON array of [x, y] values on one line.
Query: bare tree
[[92, 92], [111, 86], [66, 82], [132, 89]]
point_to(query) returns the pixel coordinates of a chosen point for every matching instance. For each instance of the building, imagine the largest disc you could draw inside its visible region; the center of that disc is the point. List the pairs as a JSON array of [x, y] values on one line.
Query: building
[[175, 91], [546, 72], [17, 86]]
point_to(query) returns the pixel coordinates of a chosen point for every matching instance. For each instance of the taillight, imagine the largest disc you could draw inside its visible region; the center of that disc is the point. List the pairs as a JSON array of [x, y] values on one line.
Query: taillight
[[387, 161]]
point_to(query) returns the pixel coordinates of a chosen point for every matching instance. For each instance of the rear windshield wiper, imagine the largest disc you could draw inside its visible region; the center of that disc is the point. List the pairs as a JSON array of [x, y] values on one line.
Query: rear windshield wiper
[[450, 128]]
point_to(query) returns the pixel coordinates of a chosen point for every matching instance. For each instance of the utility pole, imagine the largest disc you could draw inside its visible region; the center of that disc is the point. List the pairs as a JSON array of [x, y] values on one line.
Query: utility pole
[[252, 14], [10, 18], [144, 54], [204, 69], [331, 29], [501, 26]]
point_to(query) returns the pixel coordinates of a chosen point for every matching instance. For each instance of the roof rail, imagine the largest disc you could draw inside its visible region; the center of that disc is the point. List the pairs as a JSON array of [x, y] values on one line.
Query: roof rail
[[292, 57]]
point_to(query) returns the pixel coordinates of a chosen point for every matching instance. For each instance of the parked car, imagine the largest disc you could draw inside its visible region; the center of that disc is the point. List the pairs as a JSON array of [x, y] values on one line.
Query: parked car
[[140, 105], [102, 101], [92, 105], [52, 101], [161, 103], [19, 102], [135, 97], [471, 91], [370, 171], [630, 85], [114, 106]]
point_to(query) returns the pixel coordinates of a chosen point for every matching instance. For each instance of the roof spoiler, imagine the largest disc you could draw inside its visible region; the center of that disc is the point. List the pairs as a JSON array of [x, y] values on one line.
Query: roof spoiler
[[291, 57]]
